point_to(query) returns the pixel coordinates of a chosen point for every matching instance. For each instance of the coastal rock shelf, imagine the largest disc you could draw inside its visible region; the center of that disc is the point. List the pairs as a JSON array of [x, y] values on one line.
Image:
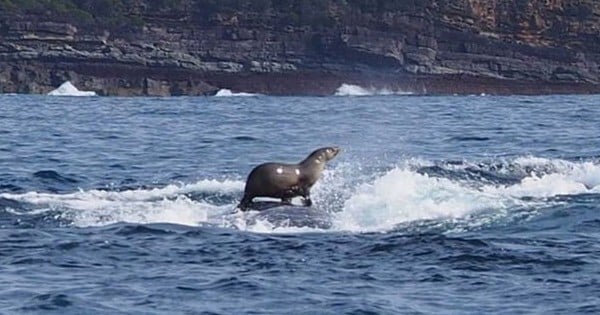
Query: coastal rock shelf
[[198, 47]]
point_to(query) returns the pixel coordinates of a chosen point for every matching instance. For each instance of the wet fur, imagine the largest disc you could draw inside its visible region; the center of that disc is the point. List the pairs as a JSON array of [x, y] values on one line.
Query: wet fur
[[265, 181]]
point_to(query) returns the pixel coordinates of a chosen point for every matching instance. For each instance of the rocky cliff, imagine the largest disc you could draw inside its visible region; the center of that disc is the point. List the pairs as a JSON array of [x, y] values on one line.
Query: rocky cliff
[[196, 47]]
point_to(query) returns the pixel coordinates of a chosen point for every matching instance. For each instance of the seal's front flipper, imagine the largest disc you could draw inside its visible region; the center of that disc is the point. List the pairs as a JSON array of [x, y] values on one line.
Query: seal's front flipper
[[264, 205]]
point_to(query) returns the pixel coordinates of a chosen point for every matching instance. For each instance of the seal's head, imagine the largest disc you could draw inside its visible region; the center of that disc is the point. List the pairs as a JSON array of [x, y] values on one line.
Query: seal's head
[[323, 155], [330, 152]]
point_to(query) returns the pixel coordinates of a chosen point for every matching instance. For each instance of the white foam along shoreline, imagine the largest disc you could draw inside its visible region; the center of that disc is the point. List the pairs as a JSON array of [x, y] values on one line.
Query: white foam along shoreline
[[68, 89], [356, 90], [229, 93]]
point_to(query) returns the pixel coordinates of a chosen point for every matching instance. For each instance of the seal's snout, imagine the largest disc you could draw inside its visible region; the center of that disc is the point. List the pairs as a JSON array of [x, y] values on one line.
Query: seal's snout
[[333, 152]]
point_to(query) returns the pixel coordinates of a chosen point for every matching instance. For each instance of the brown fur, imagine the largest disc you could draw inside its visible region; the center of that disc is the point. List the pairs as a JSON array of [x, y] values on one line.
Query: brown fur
[[265, 180]]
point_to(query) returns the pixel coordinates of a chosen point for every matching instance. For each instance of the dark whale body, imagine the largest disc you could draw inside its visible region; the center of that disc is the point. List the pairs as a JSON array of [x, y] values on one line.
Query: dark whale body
[[284, 215]]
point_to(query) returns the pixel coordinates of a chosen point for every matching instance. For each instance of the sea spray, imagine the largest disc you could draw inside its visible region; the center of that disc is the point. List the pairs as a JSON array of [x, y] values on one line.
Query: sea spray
[[229, 93], [68, 89], [356, 90], [358, 202]]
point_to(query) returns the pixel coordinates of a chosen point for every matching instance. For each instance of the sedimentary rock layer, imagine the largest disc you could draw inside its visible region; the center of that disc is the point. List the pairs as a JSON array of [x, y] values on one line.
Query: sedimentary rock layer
[[196, 47]]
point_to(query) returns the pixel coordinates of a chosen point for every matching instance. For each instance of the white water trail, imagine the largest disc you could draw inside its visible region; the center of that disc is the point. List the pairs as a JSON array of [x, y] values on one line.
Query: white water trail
[[169, 204], [360, 202], [403, 195]]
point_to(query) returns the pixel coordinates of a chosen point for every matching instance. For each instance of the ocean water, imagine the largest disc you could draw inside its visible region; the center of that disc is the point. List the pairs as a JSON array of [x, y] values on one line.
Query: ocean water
[[437, 205]]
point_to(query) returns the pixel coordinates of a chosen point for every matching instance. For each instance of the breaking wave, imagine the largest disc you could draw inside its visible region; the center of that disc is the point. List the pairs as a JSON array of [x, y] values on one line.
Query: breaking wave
[[68, 89], [229, 93], [448, 195], [355, 90]]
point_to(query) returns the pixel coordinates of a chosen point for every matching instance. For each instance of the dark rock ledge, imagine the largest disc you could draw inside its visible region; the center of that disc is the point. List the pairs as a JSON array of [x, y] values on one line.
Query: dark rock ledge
[[187, 47]]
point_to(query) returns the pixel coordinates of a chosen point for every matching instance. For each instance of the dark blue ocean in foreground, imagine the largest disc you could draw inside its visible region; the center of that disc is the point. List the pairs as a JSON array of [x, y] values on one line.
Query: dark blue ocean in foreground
[[437, 205]]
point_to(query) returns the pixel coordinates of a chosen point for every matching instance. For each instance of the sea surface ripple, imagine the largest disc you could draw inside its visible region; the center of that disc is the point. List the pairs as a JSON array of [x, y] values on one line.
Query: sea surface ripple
[[437, 205]]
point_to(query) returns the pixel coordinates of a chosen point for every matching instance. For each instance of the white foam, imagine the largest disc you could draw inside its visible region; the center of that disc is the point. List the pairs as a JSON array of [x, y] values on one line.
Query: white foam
[[168, 204], [229, 93], [361, 202], [68, 89], [557, 177], [239, 221], [402, 195], [356, 90], [181, 210]]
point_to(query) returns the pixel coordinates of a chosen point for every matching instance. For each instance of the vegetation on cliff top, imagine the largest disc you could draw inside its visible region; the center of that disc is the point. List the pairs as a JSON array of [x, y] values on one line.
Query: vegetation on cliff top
[[103, 13], [115, 12], [533, 18]]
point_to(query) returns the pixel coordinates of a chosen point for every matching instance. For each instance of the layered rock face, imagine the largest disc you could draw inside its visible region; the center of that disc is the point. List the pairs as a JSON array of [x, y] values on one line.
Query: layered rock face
[[196, 47]]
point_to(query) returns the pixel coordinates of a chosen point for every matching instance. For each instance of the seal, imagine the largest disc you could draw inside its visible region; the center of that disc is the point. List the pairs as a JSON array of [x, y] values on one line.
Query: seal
[[286, 181]]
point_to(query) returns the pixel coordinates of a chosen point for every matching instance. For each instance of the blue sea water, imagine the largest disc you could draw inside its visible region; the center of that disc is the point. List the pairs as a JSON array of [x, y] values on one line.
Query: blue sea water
[[437, 205]]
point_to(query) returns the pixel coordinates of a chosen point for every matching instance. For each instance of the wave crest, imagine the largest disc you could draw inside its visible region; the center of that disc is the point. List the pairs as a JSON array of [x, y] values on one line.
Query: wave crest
[[229, 93], [461, 195], [356, 90], [68, 89]]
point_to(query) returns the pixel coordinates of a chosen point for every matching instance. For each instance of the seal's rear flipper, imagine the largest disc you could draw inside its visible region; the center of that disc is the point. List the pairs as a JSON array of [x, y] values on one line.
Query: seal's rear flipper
[[241, 208]]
